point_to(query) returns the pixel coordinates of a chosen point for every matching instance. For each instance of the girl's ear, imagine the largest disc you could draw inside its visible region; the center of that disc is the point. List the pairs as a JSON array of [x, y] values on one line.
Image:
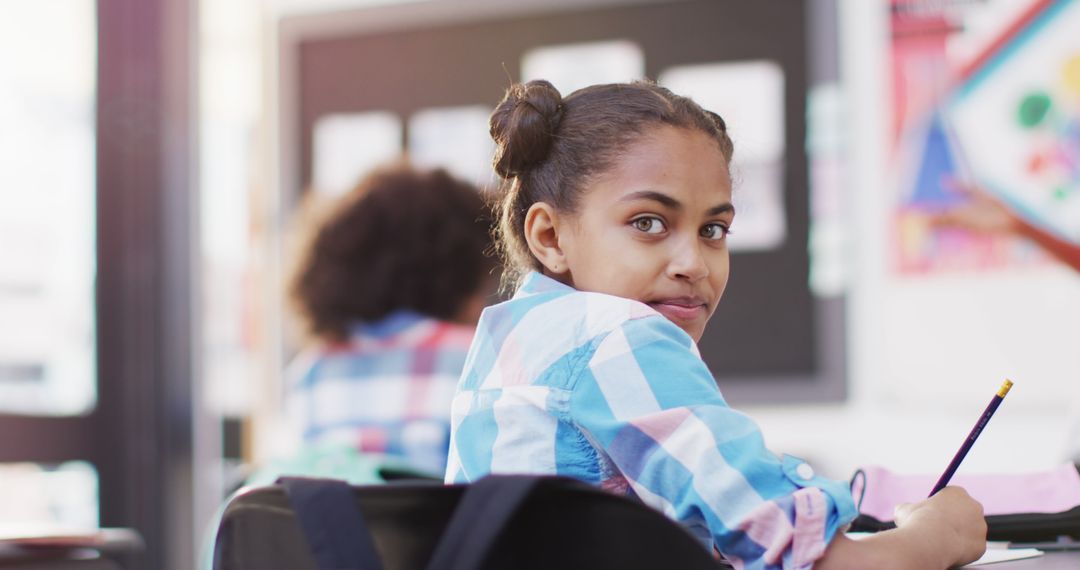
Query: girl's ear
[[542, 235]]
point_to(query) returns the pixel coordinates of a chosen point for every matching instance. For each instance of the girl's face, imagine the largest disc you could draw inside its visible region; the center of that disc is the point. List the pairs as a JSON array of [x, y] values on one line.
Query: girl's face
[[654, 227]]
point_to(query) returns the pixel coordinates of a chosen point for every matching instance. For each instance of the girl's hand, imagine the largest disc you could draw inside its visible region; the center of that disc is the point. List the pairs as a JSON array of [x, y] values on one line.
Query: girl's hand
[[950, 518], [943, 531]]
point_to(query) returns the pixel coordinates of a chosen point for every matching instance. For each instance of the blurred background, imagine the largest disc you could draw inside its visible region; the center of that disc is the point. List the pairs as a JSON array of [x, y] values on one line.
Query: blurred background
[[155, 154]]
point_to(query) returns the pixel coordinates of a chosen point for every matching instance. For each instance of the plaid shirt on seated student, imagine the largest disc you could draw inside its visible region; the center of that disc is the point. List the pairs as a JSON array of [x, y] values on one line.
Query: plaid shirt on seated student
[[607, 390], [384, 390]]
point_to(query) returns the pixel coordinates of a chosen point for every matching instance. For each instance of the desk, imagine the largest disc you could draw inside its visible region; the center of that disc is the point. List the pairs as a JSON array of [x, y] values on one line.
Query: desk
[[92, 549], [55, 562], [1061, 560]]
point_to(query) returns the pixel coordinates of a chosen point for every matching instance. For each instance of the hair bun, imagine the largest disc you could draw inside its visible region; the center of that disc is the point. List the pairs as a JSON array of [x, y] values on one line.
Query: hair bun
[[523, 126], [717, 120]]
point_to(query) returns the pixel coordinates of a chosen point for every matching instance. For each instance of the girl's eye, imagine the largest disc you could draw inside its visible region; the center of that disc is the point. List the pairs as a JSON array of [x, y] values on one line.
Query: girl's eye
[[715, 231], [649, 225]]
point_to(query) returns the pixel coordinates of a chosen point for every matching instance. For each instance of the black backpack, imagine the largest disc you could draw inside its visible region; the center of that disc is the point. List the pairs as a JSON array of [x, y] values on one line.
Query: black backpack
[[508, 521]]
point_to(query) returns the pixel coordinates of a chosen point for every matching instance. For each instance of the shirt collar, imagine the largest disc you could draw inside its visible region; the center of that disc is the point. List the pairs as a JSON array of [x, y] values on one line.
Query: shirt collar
[[390, 325], [535, 282]]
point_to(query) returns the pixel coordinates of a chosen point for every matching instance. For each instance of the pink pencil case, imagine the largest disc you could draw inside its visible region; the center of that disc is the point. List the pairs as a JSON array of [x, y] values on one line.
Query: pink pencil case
[[1019, 507]]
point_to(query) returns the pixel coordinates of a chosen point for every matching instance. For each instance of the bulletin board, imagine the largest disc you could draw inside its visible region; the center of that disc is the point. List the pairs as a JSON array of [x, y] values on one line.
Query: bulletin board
[[448, 63]]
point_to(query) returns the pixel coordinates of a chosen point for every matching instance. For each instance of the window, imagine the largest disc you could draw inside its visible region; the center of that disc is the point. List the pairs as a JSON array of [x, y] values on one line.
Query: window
[[48, 496], [47, 252]]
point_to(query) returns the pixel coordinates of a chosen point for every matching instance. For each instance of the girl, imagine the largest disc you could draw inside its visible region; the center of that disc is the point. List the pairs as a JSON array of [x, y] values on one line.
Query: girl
[[614, 227]]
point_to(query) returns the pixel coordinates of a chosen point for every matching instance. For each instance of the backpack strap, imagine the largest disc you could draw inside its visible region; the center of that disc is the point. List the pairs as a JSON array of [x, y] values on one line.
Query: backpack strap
[[484, 511], [335, 530]]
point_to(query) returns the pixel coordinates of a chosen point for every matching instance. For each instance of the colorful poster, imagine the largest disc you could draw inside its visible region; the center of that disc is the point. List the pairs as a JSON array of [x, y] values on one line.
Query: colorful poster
[[1017, 116], [983, 94]]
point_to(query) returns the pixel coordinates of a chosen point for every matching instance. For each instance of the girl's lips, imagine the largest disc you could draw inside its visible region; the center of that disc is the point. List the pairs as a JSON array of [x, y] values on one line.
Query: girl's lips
[[679, 310]]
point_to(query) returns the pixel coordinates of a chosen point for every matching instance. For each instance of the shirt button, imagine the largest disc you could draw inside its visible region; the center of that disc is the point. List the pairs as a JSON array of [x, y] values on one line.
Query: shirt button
[[805, 471]]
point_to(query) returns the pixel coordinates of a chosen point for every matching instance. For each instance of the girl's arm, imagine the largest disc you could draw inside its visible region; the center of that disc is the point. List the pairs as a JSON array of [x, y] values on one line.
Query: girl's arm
[[943, 531], [653, 409]]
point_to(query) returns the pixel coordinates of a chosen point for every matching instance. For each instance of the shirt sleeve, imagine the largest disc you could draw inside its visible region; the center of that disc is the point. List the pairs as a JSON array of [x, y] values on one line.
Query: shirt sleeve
[[648, 401]]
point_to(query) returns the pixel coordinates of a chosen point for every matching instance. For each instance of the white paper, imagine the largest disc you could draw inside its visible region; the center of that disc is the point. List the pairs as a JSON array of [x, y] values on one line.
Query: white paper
[[993, 555], [749, 95], [994, 552], [454, 138], [573, 66], [349, 146]]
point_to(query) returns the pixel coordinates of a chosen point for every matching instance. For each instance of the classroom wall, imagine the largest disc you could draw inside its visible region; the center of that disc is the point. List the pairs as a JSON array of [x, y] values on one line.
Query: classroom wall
[[926, 353]]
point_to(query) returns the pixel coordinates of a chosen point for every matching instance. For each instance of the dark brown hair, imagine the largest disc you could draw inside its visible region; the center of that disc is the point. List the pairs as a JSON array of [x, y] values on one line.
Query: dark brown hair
[[548, 147], [401, 239]]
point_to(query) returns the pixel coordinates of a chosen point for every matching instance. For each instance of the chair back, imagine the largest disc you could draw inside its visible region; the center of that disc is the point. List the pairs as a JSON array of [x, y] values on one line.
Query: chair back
[[499, 522]]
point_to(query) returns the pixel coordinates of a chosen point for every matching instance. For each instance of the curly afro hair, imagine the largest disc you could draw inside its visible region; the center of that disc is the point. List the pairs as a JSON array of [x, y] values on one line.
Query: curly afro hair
[[401, 239]]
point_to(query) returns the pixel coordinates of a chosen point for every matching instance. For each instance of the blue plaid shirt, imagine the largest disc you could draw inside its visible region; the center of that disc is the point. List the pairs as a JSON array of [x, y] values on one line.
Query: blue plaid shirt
[[607, 390], [386, 390]]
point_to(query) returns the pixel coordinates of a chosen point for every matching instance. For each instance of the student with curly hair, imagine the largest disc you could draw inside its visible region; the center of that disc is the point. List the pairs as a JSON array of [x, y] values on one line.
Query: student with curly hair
[[390, 287]]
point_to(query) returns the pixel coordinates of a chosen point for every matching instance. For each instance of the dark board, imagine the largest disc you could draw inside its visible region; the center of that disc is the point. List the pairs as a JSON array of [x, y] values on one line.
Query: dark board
[[768, 327]]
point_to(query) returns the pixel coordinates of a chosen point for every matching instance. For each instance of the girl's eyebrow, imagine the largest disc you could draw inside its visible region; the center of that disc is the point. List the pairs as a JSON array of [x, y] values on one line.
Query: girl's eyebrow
[[654, 196], [672, 203], [721, 209]]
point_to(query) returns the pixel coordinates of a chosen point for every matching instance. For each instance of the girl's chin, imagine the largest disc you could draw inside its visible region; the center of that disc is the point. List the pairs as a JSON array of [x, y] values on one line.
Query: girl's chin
[[692, 320]]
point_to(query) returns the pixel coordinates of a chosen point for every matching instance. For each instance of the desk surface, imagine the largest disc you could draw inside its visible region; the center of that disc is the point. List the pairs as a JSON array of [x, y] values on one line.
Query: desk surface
[[1062, 560], [12, 563]]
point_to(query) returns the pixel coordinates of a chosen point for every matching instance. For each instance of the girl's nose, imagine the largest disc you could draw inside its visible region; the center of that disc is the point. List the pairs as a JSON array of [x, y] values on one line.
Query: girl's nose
[[687, 262]]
